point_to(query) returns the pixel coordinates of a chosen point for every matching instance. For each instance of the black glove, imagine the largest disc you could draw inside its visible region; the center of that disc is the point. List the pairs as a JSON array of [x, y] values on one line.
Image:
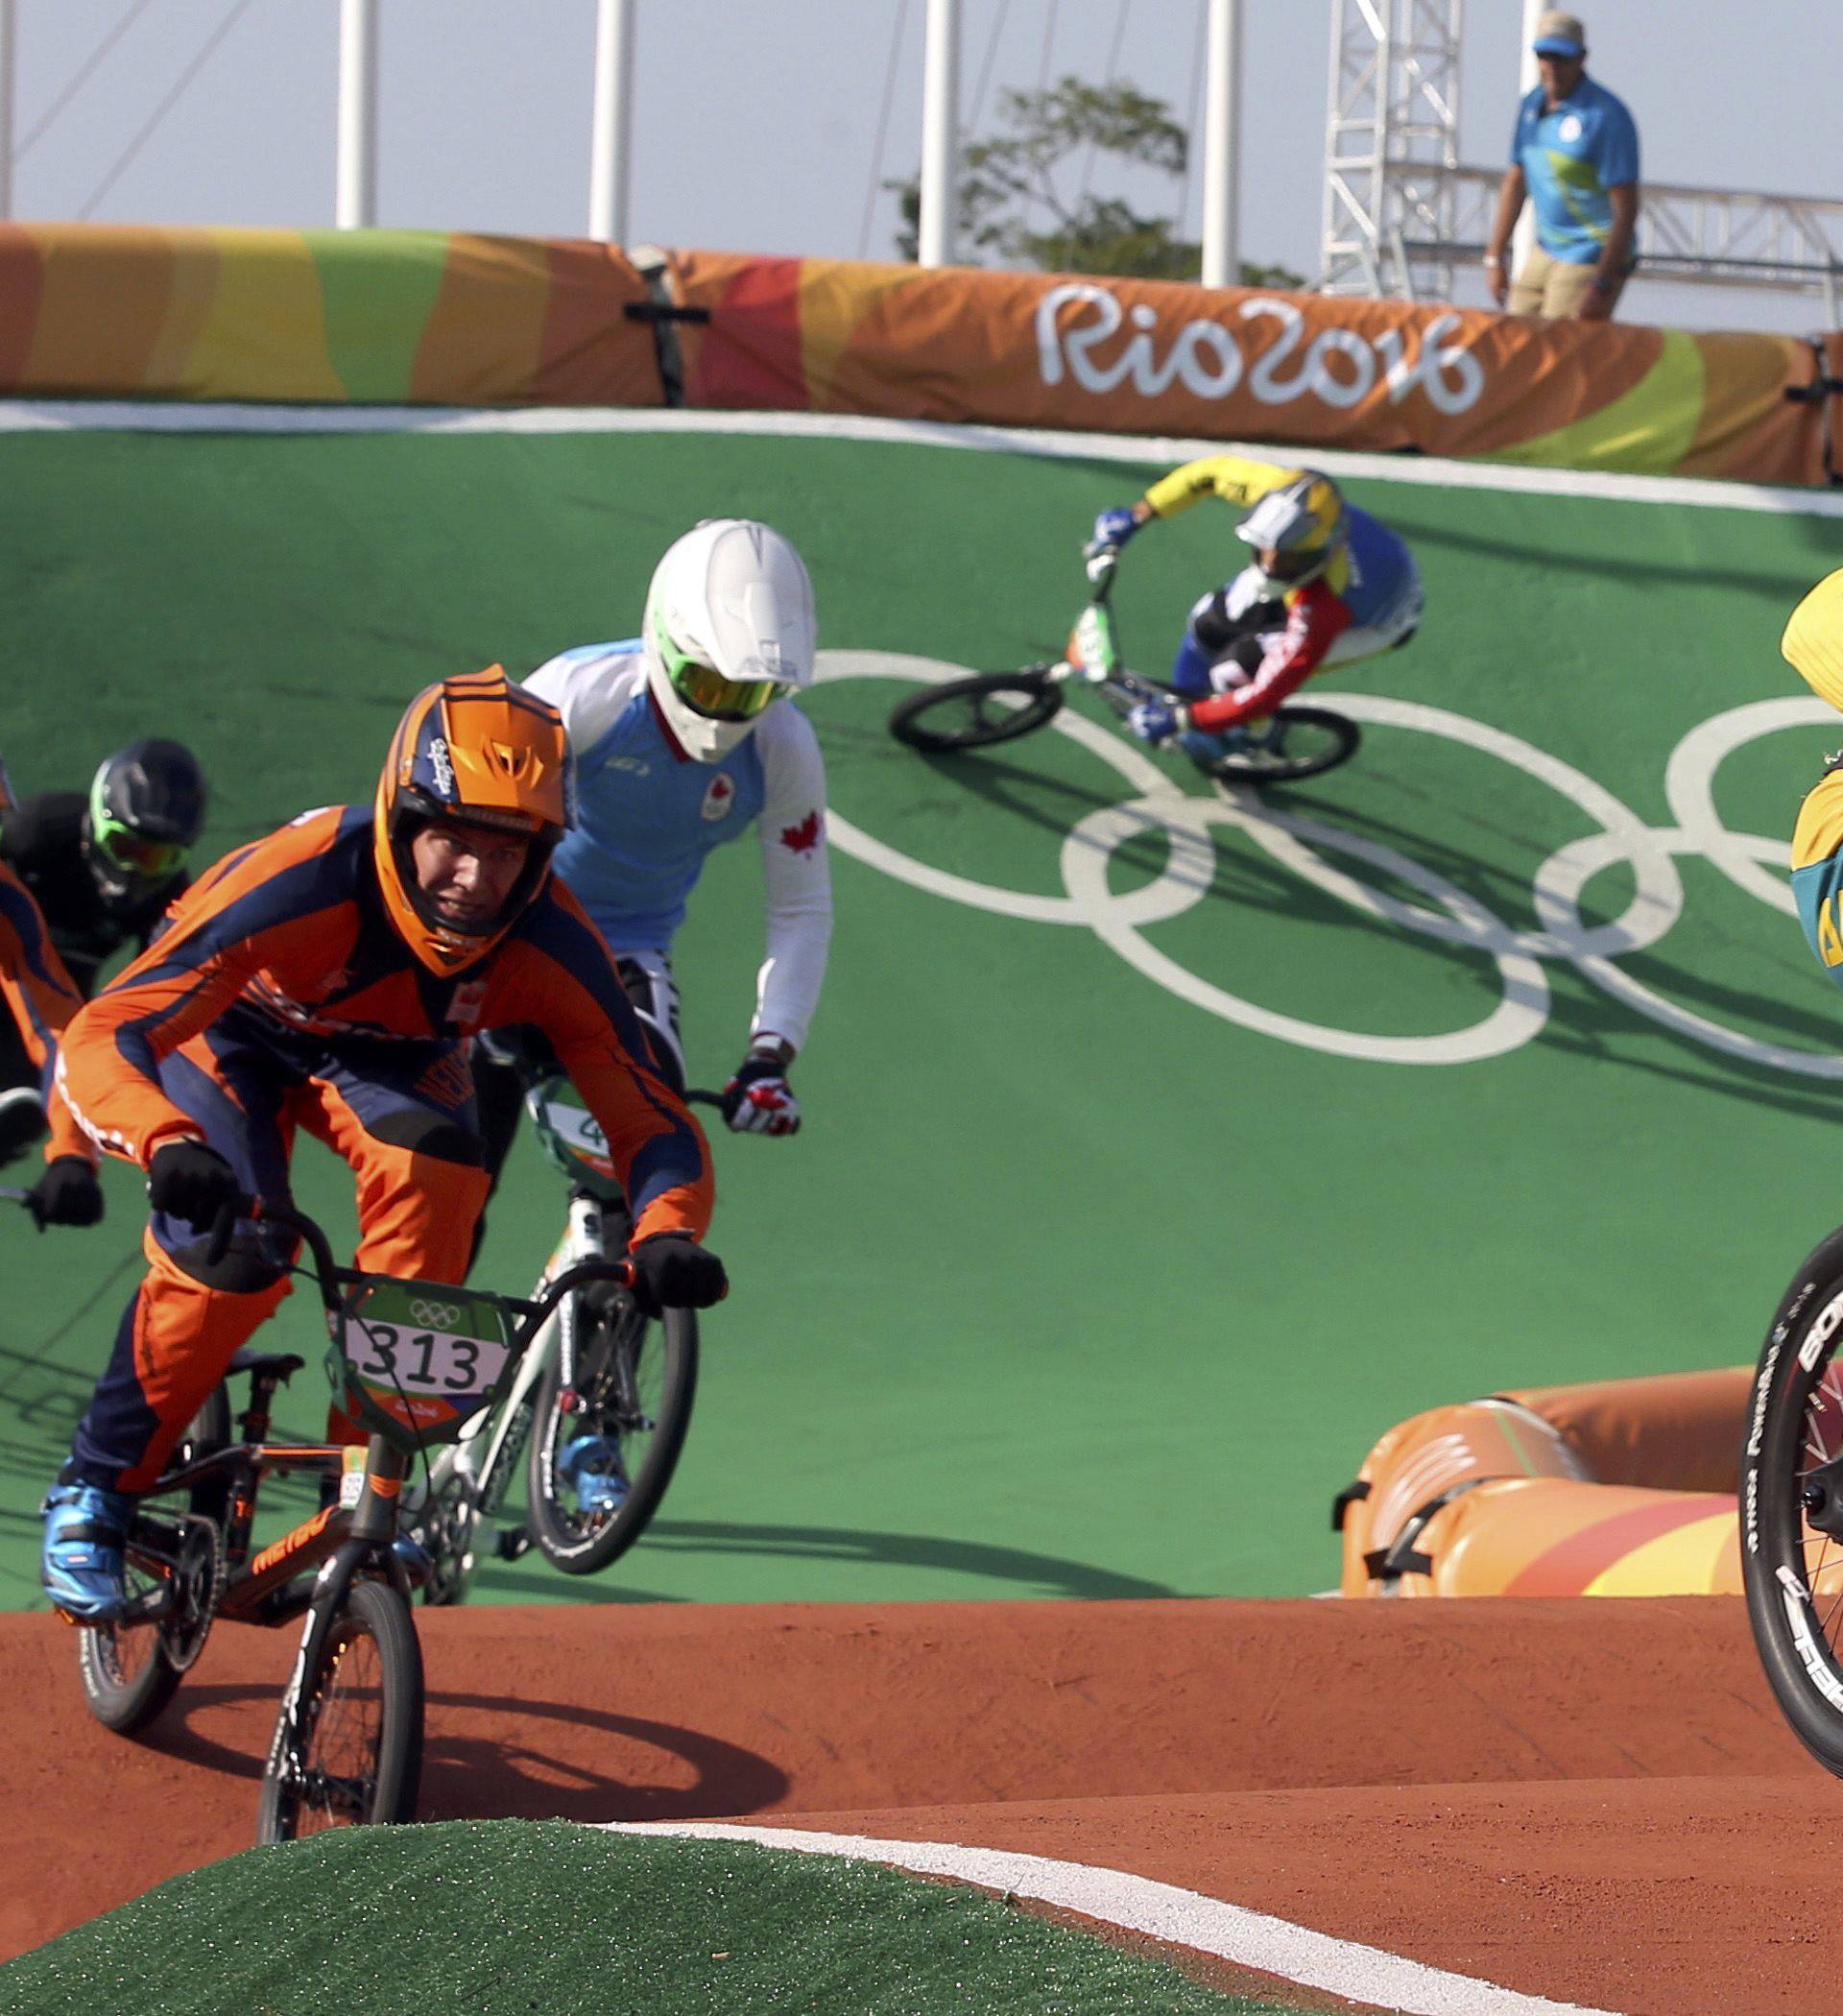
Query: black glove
[[67, 1193], [187, 1180], [673, 1271]]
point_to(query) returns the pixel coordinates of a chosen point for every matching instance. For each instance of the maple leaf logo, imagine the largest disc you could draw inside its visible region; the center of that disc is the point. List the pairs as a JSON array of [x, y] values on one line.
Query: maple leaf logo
[[801, 839]]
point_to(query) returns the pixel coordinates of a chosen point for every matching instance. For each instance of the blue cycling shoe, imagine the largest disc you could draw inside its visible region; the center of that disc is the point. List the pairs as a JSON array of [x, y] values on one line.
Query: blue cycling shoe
[[591, 1467], [1206, 751], [86, 1528]]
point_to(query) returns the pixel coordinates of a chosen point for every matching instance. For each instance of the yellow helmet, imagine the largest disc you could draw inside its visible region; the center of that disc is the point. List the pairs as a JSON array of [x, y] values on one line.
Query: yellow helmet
[[1301, 522], [1813, 639]]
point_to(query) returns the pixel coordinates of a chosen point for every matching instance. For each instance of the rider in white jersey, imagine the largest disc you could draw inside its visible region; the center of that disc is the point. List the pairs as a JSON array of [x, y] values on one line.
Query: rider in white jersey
[[683, 739]]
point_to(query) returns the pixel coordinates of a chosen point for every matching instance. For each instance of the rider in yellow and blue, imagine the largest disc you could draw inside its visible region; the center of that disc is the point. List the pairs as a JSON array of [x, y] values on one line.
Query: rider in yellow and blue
[[1813, 647], [1325, 585]]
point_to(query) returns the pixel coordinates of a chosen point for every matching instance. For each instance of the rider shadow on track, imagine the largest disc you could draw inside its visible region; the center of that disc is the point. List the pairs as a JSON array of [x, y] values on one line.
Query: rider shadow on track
[[1579, 1019], [513, 1772], [1587, 1023], [1024, 1574]]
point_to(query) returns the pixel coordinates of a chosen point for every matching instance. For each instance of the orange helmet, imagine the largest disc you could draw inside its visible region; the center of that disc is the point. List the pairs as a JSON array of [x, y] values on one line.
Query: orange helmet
[[482, 750]]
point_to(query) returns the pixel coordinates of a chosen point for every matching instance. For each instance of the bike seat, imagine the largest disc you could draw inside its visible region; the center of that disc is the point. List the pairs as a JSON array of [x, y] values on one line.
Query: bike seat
[[279, 1365]]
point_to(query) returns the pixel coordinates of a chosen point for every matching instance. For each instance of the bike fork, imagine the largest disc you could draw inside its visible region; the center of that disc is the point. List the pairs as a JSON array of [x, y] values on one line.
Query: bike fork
[[372, 1529]]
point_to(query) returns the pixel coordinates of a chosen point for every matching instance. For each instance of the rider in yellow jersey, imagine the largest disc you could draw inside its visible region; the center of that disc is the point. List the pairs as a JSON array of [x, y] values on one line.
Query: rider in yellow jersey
[[1327, 585], [1813, 647]]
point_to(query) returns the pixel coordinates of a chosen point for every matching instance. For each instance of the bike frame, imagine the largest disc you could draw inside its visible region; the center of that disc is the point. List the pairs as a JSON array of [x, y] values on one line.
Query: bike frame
[[1093, 658], [340, 1541], [489, 1448]]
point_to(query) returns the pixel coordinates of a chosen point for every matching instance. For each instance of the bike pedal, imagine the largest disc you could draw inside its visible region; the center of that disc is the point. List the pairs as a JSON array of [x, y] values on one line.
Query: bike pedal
[[510, 1543]]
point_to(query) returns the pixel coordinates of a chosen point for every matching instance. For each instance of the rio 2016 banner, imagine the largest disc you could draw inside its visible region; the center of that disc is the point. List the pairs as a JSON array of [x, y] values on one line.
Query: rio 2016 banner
[[337, 317], [1131, 357], [452, 318]]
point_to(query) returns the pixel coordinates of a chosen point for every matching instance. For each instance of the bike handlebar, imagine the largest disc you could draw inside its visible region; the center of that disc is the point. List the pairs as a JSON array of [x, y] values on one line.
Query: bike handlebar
[[327, 1271]]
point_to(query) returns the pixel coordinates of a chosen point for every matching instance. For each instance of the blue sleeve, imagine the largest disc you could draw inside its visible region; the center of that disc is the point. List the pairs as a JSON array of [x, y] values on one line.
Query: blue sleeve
[[1616, 146]]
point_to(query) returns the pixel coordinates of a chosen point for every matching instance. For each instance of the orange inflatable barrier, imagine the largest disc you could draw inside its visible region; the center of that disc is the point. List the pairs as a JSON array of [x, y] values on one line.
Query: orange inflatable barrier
[[1622, 1487]]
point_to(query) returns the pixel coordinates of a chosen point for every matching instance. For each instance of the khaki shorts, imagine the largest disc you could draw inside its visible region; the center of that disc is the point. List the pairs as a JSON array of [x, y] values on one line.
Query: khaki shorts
[[1551, 288]]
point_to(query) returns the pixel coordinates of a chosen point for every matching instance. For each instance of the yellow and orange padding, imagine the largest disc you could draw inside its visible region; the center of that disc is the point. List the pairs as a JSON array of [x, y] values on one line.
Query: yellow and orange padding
[[1622, 1487]]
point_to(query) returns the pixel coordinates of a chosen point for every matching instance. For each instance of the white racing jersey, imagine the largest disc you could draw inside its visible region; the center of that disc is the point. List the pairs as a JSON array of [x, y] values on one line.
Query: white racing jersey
[[647, 816]]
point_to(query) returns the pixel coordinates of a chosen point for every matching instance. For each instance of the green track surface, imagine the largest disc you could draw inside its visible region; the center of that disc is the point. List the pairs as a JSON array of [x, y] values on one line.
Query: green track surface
[[501, 1917], [1069, 1287]]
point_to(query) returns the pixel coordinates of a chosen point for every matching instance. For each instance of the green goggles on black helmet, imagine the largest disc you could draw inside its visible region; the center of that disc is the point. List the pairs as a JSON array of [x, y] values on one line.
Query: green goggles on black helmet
[[134, 854], [707, 692]]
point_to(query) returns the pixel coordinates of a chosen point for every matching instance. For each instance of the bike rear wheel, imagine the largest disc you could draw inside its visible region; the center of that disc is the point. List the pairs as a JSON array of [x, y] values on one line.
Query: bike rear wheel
[[358, 1757], [129, 1672], [973, 714], [637, 1379], [1791, 1498], [1297, 742]]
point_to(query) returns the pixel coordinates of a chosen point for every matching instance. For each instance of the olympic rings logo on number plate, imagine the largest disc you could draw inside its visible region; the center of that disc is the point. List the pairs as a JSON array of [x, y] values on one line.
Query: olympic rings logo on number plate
[[1753, 862], [438, 1315]]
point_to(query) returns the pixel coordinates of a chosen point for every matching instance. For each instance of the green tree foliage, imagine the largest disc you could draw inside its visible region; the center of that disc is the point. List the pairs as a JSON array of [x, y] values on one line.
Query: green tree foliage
[[1014, 208]]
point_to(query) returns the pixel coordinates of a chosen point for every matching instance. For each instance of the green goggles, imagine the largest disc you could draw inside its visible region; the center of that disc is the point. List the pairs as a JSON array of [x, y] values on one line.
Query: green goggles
[[705, 691], [134, 854]]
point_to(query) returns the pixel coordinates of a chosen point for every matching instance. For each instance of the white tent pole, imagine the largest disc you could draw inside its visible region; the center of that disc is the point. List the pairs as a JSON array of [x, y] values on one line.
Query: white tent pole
[[9, 21], [939, 122], [1221, 146], [355, 196], [612, 148], [1528, 77]]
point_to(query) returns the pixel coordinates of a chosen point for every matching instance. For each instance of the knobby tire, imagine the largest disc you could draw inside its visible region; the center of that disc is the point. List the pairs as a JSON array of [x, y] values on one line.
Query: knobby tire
[[974, 713], [126, 1676], [361, 1756], [1794, 1574], [580, 1544]]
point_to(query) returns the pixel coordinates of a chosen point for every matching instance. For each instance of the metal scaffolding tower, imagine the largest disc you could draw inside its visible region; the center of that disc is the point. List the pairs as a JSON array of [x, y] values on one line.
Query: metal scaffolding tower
[[1402, 215], [1390, 147]]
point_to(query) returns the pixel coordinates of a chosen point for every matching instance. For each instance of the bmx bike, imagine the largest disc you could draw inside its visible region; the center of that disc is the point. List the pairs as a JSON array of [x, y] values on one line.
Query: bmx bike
[[413, 1362], [1791, 1505], [598, 1366], [1292, 743]]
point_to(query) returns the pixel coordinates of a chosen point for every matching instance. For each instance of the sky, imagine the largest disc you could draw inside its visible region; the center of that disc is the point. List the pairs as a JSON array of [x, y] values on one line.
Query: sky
[[757, 127]]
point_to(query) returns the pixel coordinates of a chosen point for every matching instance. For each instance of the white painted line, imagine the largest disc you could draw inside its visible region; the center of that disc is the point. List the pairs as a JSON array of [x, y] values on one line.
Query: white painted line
[[199, 417], [1290, 1952]]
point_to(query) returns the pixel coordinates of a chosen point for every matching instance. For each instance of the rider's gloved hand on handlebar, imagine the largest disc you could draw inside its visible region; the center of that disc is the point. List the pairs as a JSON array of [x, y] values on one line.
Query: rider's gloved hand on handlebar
[[673, 1271], [1113, 528], [758, 1099], [187, 1180], [1155, 720], [67, 1193]]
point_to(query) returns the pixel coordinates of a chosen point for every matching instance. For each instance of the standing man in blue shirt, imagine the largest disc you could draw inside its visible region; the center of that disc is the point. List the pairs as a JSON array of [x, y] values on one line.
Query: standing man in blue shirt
[[1575, 155]]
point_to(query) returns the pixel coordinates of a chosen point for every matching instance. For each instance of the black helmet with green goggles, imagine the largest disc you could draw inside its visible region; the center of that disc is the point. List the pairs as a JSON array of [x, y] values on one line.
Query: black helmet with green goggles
[[145, 809]]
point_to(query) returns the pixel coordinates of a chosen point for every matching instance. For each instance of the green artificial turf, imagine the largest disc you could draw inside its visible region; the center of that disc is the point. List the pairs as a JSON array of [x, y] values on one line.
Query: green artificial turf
[[503, 1917]]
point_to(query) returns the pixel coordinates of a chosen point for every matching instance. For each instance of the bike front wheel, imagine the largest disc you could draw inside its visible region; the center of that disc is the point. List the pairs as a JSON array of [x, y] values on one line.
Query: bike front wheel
[[1297, 742], [636, 1379], [1791, 1507], [353, 1755], [129, 1671], [973, 714]]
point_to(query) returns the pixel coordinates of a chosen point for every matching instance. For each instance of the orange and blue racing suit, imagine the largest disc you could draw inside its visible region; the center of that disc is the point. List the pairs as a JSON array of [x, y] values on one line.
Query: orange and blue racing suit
[[41, 997], [281, 996], [1244, 651]]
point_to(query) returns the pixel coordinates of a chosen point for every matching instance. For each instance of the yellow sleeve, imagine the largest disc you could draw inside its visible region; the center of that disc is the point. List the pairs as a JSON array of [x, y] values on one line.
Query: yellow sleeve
[[1813, 640], [1233, 479]]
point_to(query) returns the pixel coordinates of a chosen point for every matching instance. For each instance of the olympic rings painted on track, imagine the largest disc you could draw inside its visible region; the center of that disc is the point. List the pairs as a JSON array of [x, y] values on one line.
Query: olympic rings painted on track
[[1752, 861]]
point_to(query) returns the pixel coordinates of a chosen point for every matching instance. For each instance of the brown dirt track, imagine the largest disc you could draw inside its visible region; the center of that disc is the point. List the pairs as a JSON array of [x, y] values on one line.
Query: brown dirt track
[[1594, 1801]]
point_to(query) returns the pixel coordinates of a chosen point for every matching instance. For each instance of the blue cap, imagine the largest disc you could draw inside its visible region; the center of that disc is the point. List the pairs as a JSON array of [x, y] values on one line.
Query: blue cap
[[1560, 35]]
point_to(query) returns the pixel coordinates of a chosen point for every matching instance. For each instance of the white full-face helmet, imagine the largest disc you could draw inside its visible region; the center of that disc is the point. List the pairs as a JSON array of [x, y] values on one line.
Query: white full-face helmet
[[728, 630]]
